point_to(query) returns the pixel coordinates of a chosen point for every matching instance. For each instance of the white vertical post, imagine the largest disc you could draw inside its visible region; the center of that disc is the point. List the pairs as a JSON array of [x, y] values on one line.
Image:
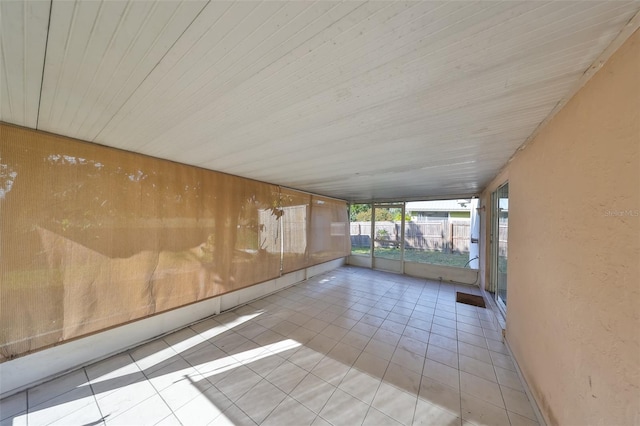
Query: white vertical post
[[402, 239]]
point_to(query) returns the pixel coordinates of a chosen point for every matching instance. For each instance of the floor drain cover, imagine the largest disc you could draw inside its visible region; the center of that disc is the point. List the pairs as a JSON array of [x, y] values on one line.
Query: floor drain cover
[[470, 299]]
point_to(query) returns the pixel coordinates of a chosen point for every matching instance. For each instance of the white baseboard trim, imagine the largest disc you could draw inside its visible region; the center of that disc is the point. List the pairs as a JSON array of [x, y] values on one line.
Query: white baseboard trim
[[503, 325], [527, 390], [31, 370]]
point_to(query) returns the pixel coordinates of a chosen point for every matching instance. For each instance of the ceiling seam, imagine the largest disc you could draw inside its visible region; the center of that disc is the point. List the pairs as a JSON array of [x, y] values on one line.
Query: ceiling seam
[[386, 102], [355, 77], [206, 71], [171, 68], [5, 73], [151, 71], [87, 47], [44, 62], [200, 109], [271, 76], [632, 25], [70, 33], [129, 48], [113, 37], [232, 49], [25, 42]]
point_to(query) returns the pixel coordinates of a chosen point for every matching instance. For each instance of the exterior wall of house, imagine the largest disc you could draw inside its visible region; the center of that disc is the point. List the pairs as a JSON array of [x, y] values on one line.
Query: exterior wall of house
[[574, 252]]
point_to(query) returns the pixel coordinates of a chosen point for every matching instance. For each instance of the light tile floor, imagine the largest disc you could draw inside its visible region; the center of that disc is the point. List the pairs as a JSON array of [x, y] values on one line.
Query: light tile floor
[[349, 347]]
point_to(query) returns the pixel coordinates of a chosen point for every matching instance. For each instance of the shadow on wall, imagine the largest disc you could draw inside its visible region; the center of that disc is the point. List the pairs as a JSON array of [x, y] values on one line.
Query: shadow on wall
[[94, 237]]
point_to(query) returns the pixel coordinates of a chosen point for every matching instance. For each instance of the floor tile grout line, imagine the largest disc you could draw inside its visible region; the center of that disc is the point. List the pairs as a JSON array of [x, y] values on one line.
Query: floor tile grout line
[[288, 394], [370, 405], [135, 405], [158, 391], [459, 372], [205, 378], [499, 388], [29, 409], [139, 402], [398, 293], [424, 363], [253, 387], [95, 398], [377, 389], [458, 366], [325, 403]]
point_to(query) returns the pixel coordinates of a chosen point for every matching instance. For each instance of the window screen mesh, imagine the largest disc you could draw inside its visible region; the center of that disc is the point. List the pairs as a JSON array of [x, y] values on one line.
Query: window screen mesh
[[93, 237], [329, 228], [295, 229]]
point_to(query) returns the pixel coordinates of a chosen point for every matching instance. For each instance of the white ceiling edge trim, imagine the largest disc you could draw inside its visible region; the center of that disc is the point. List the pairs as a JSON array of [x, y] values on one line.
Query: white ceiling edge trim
[[121, 150], [629, 28], [409, 199], [626, 32], [290, 188]]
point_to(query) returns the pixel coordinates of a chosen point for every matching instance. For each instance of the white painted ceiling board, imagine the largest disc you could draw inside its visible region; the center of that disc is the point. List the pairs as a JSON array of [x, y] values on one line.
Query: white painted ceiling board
[[189, 48], [23, 36], [190, 106], [261, 125], [71, 39], [356, 100], [108, 48], [144, 49], [293, 92]]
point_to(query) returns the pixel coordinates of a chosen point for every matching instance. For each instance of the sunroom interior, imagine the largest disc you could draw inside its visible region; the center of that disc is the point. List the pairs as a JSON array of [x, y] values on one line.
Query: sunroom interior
[[243, 212]]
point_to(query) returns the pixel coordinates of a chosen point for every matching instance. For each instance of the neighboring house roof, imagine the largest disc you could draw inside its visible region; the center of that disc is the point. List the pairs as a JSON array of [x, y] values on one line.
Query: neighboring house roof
[[439, 206]]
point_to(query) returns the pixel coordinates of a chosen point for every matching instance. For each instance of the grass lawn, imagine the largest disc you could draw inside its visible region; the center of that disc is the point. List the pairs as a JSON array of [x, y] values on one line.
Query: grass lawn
[[423, 256]]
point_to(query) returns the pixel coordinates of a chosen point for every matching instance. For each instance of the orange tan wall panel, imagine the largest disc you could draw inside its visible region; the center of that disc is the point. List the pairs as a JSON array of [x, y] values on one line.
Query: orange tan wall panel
[[93, 237], [329, 228], [296, 221]]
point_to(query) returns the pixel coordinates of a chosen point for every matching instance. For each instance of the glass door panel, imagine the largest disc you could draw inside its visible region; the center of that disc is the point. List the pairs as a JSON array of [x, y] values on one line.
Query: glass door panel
[[501, 243], [360, 229], [388, 231]]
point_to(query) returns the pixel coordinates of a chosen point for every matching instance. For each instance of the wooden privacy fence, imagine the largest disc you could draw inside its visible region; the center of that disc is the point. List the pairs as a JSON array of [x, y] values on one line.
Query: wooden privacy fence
[[448, 236], [360, 234]]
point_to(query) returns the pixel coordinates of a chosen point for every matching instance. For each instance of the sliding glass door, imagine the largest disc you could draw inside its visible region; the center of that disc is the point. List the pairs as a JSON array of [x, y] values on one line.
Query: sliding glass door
[[499, 244], [388, 236]]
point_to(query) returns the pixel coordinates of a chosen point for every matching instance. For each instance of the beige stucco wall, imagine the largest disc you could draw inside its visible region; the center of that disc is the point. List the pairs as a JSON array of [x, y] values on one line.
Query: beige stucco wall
[[574, 252]]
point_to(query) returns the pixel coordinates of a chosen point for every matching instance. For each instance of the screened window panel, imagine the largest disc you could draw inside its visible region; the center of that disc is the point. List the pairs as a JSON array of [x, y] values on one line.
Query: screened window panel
[[329, 230], [295, 207], [94, 237]]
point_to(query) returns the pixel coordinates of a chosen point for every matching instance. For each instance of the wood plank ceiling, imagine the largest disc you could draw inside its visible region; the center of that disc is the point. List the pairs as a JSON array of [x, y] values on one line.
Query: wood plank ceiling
[[356, 100]]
